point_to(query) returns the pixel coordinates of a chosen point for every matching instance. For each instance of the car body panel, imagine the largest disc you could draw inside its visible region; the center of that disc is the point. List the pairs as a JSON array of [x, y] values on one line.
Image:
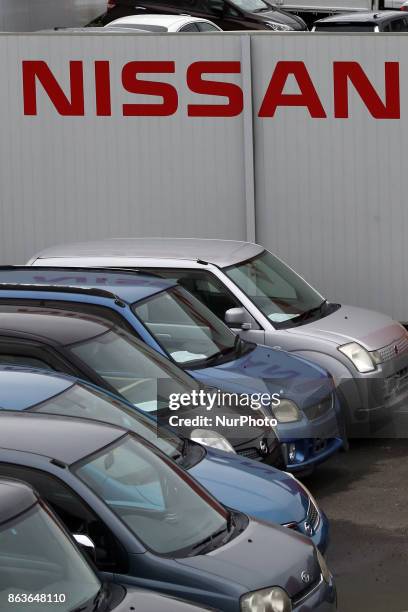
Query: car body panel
[[364, 396], [251, 373], [218, 578], [247, 486]]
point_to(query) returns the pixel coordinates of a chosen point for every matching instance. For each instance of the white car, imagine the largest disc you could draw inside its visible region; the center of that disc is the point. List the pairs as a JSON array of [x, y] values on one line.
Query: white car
[[163, 23]]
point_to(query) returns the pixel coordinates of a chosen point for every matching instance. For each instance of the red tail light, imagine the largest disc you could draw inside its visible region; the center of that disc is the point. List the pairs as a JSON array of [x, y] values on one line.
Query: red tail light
[[404, 7], [111, 4]]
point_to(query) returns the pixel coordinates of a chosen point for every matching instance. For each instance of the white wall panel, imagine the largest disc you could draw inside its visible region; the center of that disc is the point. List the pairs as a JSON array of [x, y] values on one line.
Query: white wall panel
[[332, 193], [68, 178]]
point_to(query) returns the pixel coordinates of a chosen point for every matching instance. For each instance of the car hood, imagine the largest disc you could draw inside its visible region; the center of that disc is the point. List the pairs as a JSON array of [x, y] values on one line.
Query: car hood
[[262, 556], [278, 16], [251, 487], [140, 599], [371, 329], [266, 370]]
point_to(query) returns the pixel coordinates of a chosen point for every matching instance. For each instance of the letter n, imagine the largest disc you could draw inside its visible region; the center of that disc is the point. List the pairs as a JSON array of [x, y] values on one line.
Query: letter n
[[345, 71], [33, 70]]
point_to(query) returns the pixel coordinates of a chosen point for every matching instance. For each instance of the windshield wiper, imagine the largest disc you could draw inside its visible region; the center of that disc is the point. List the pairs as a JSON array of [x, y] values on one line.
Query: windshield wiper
[[309, 313], [208, 543]]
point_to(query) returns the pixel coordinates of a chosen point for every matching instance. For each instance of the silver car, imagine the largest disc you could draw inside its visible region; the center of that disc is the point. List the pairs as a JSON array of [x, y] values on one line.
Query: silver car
[[267, 302]]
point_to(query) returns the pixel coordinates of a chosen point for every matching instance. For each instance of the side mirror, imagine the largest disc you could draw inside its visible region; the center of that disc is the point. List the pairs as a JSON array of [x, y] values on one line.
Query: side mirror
[[216, 6], [86, 545], [238, 318]]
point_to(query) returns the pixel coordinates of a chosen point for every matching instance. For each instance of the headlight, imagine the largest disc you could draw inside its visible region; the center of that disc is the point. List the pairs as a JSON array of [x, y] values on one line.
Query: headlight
[[273, 25], [274, 599], [286, 412], [211, 438], [358, 356], [323, 567]]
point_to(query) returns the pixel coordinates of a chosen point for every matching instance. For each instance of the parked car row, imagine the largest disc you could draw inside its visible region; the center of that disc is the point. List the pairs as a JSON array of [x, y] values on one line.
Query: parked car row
[[142, 518], [95, 341]]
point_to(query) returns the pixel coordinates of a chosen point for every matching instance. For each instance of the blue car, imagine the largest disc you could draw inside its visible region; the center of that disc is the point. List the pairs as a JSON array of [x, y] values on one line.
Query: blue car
[[173, 322], [248, 486], [146, 522]]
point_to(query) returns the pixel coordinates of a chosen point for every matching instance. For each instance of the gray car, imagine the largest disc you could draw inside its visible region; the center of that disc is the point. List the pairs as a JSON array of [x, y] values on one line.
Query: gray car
[[267, 302]]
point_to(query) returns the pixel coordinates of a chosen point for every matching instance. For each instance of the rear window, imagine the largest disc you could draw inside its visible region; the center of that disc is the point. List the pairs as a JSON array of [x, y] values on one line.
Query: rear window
[[148, 27], [344, 27]]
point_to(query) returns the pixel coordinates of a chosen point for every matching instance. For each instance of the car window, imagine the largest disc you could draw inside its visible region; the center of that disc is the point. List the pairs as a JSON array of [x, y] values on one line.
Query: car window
[[344, 27], [157, 501], [73, 512], [204, 26], [36, 556], [399, 25], [185, 328], [189, 27], [23, 360], [206, 287]]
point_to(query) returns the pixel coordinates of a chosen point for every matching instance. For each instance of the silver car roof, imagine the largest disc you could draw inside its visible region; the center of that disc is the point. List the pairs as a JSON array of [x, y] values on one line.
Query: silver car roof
[[221, 253]]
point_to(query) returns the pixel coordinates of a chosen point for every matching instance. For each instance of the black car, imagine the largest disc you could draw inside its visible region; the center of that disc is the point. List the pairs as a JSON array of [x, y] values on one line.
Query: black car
[[41, 568], [96, 350], [369, 21], [227, 14]]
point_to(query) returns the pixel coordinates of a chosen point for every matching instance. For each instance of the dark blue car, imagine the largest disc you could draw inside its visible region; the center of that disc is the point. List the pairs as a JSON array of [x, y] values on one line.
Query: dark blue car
[[248, 486], [151, 525], [175, 323]]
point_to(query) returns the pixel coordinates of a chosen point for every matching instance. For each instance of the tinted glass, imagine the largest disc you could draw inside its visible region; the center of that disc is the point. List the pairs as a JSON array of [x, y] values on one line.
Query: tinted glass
[[252, 6], [276, 290], [138, 375], [203, 26], [345, 27], [36, 556], [87, 403], [399, 25], [190, 27], [187, 330], [155, 499]]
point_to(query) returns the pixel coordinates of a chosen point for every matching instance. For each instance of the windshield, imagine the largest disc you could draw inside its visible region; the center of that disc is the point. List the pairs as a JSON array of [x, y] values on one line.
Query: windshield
[[252, 6], [157, 500], [87, 403], [278, 292], [37, 557], [345, 27], [135, 372], [184, 327]]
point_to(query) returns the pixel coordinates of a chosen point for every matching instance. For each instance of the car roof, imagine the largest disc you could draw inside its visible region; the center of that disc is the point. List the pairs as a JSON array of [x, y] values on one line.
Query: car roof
[[62, 439], [219, 252], [154, 19], [361, 17], [55, 325], [15, 498], [90, 30], [129, 286], [22, 388]]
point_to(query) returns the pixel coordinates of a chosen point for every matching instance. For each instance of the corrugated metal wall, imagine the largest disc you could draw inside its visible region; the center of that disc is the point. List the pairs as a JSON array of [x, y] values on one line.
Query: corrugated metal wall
[[329, 193], [332, 193]]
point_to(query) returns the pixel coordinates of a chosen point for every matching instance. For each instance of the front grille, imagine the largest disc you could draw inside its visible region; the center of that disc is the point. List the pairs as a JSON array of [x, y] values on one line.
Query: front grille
[[313, 516], [306, 592], [250, 453], [396, 384], [391, 351], [320, 409]]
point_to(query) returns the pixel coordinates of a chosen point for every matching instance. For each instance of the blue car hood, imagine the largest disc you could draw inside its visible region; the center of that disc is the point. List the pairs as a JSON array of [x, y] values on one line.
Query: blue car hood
[[266, 370], [251, 487], [262, 556]]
